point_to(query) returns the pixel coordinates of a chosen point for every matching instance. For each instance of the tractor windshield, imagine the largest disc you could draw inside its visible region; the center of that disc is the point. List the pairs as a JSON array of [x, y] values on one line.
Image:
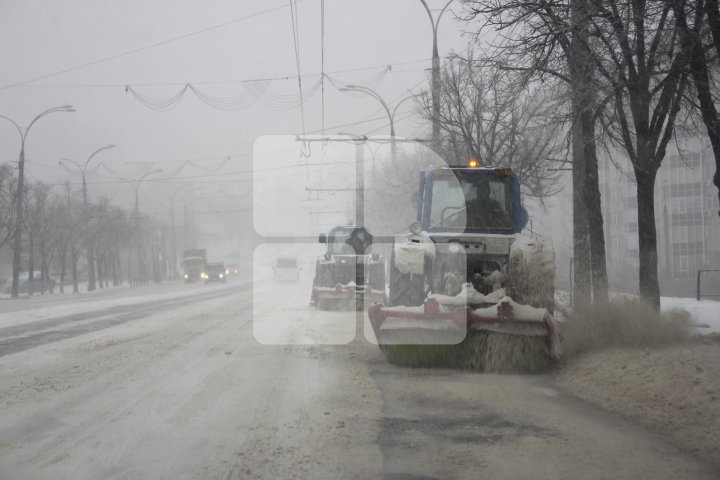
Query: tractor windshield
[[337, 242], [472, 201]]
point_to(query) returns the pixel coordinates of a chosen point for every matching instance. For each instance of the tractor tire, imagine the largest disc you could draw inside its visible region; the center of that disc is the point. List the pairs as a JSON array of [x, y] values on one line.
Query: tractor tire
[[323, 275], [376, 276], [406, 290], [531, 281]]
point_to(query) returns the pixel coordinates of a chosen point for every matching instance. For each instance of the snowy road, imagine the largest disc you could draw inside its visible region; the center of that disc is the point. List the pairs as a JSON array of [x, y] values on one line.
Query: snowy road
[[180, 388]]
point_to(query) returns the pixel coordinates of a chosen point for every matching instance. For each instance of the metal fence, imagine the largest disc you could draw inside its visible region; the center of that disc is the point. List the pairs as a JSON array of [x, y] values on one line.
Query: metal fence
[[699, 294]]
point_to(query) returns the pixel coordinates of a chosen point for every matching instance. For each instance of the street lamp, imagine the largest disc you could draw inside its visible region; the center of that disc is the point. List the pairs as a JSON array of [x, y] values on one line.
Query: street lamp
[[376, 96], [173, 243], [17, 240], [435, 71], [88, 246], [136, 185]]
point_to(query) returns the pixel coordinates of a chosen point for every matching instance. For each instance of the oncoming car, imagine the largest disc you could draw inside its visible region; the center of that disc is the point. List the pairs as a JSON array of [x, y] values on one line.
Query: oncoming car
[[286, 269], [215, 272]]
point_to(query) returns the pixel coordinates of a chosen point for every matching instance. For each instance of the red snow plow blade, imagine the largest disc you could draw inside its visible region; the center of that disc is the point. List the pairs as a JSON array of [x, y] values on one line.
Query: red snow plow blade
[[345, 296], [496, 338]]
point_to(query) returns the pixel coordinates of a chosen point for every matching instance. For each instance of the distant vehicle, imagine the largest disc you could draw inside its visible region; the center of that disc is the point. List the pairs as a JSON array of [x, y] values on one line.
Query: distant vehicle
[[38, 286], [215, 272], [232, 269], [194, 264], [286, 269]]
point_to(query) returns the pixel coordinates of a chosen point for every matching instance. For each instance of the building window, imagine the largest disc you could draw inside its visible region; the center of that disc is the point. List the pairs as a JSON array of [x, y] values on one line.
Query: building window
[[683, 263]]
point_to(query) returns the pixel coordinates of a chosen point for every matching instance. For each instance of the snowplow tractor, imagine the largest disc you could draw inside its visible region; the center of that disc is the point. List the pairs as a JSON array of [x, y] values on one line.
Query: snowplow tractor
[[467, 288], [348, 275]]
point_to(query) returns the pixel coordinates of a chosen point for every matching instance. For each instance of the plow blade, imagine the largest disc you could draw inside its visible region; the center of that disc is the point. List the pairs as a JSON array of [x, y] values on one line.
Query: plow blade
[[504, 337], [345, 297]]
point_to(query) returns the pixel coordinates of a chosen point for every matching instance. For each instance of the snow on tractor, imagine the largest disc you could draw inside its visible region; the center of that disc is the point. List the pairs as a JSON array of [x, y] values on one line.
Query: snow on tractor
[[467, 289], [348, 274]]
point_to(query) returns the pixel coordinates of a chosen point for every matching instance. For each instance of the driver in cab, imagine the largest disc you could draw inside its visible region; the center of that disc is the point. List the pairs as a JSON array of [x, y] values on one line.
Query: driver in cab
[[482, 210]]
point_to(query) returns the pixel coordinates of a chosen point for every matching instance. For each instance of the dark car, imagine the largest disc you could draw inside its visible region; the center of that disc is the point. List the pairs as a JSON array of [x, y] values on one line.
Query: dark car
[[37, 286], [215, 272]]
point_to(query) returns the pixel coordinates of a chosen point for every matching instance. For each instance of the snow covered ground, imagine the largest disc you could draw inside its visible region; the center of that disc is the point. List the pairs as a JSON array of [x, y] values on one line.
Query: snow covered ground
[[705, 314], [70, 306]]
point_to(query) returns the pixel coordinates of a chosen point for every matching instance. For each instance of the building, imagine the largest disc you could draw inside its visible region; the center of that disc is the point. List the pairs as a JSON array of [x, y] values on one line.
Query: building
[[686, 216]]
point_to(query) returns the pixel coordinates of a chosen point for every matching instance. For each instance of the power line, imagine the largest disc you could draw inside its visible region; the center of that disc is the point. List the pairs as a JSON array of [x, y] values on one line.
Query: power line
[[146, 47], [225, 82], [296, 38]]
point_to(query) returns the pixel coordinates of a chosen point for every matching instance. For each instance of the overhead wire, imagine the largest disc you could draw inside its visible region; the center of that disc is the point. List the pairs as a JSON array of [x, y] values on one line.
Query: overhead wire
[[146, 47], [296, 41]]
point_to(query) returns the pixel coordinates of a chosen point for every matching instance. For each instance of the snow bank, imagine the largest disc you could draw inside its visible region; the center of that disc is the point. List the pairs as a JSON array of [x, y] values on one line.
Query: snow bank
[[704, 314]]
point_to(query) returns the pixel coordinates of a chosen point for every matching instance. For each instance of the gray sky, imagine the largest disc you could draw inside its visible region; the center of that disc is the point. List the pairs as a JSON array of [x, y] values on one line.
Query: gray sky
[[222, 43]]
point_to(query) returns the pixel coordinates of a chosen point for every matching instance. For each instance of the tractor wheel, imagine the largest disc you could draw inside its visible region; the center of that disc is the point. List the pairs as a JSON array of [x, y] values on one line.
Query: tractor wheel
[[406, 289], [376, 276], [323, 276]]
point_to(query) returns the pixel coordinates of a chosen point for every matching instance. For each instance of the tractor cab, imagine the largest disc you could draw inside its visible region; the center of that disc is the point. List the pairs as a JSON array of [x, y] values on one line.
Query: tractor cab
[[347, 240], [476, 200], [348, 274]]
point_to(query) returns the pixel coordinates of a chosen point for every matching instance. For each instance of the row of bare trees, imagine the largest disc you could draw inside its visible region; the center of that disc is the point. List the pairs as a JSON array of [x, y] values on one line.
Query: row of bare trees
[[615, 74], [58, 228]]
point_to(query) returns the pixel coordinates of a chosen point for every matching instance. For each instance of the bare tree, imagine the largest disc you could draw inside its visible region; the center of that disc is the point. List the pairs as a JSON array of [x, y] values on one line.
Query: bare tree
[[486, 115], [636, 50], [700, 41], [548, 40], [7, 200]]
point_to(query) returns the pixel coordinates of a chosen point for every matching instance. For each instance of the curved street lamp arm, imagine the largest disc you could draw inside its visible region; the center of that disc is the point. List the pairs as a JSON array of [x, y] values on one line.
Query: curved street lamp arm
[[157, 170], [437, 22], [427, 9], [371, 93], [106, 147], [400, 103], [64, 108], [16, 126], [66, 160]]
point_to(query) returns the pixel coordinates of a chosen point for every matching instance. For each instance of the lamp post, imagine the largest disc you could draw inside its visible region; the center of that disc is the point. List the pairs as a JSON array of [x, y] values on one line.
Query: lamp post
[[17, 234], [435, 71], [90, 251], [391, 115], [136, 186], [173, 243], [142, 277]]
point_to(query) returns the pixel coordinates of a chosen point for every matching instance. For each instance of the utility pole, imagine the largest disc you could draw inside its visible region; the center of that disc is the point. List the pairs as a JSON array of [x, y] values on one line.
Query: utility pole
[[89, 248], [435, 73], [17, 234]]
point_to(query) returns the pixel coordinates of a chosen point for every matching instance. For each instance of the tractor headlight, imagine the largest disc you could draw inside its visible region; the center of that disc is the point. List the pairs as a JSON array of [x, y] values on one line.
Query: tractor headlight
[[416, 227]]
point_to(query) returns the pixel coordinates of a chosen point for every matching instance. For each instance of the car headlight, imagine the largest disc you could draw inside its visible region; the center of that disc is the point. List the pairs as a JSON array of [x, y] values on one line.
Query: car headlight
[[186, 275], [221, 275]]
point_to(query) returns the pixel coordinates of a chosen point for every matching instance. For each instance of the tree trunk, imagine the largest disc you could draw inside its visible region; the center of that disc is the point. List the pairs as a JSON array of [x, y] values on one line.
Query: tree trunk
[[91, 267], [100, 275], [74, 260], [647, 237], [31, 265], [583, 139], [62, 257], [593, 204], [581, 237], [44, 276]]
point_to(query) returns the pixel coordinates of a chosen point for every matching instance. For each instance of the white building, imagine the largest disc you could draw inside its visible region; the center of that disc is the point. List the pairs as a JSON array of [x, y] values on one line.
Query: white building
[[686, 216]]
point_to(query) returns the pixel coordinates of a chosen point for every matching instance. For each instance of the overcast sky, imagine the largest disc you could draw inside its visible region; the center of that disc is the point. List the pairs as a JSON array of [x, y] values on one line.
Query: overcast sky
[[84, 53]]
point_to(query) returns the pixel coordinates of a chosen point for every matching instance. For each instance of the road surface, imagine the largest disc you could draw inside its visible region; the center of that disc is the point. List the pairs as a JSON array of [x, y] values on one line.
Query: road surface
[[223, 382]]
